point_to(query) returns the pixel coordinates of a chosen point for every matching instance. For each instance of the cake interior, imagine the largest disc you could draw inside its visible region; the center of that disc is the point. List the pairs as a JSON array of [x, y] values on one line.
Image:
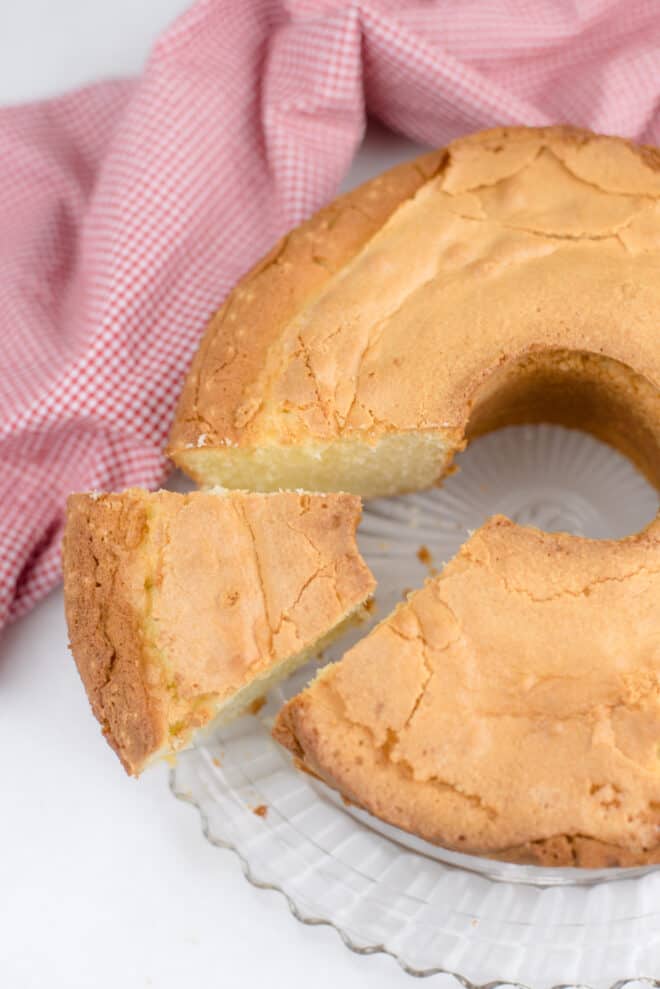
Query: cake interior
[[576, 389], [395, 463]]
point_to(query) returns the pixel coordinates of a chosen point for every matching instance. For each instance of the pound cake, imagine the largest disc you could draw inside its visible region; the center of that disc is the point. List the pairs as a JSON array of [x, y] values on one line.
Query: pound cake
[[510, 708], [186, 608], [511, 278]]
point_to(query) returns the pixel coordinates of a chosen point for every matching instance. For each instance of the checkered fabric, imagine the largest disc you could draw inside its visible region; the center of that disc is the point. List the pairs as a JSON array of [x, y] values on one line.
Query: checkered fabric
[[128, 210]]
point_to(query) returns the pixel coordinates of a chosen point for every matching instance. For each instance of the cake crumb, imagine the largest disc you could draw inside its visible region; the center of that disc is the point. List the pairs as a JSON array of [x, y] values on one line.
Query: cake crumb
[[300, 765], [260, 811], [370, 606], [216, 761], [256, 705], [424, 555], [346, 802]]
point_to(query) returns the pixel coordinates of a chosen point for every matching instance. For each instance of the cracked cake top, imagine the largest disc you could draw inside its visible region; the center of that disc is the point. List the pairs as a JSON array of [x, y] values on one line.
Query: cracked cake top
[[510, 707], [175, 602], [388, 309]]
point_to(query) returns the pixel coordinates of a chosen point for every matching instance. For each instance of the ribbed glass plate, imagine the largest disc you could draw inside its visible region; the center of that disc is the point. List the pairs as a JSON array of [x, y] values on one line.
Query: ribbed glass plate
[[474, 920]]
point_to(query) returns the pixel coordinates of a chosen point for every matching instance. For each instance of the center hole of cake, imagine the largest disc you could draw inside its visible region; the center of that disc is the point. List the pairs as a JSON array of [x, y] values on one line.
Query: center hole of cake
[[564, 441], [553, 478]]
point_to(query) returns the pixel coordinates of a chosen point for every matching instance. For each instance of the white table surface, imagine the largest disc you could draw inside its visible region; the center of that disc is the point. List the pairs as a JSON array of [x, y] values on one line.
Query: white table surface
[[107, 881]]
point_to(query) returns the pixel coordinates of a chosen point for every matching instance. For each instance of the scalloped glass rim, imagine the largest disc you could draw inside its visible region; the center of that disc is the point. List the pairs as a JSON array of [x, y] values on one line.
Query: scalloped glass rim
[[310, 920], [384, 890]]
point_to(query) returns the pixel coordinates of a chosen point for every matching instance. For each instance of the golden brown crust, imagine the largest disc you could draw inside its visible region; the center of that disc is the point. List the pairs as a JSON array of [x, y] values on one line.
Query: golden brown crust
[[510, 708], [614, 164], [235, 343], [538, 241], [176, 603], [103, 617], [577, 850]]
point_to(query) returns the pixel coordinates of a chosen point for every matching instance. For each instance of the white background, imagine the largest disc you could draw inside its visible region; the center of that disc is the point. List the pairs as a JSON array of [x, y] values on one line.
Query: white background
[[105, 881]]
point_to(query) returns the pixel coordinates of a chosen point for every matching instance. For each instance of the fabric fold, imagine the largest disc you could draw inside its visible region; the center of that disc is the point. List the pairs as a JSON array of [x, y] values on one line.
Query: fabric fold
[[129, 209]]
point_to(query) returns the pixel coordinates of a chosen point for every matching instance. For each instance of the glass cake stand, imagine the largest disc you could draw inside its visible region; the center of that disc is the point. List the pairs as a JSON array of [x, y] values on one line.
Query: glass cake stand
[[476, 921]]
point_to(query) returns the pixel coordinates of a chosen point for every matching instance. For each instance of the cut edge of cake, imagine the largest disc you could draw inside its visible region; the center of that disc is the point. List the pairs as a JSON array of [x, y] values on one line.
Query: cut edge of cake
[[108, 586]]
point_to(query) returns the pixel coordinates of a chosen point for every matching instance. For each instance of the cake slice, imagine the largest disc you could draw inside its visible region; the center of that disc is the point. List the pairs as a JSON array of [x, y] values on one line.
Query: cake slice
[[183, 608], [509, 708]]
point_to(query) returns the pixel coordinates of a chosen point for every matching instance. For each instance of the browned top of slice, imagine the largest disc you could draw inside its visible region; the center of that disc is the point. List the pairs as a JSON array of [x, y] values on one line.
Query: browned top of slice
[[175, 602], [511, 707], [387, 310]]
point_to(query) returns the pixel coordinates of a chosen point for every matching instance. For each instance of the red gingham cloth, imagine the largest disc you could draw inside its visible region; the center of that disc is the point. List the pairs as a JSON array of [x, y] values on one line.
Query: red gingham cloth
[[128, 210]]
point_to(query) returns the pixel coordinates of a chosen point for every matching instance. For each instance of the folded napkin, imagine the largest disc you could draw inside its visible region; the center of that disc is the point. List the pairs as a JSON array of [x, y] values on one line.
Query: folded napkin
[[128, 210]]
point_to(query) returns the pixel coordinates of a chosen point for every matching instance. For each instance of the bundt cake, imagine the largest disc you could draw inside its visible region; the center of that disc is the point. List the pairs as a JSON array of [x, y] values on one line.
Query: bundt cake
[[511, 707], [511, 278]]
